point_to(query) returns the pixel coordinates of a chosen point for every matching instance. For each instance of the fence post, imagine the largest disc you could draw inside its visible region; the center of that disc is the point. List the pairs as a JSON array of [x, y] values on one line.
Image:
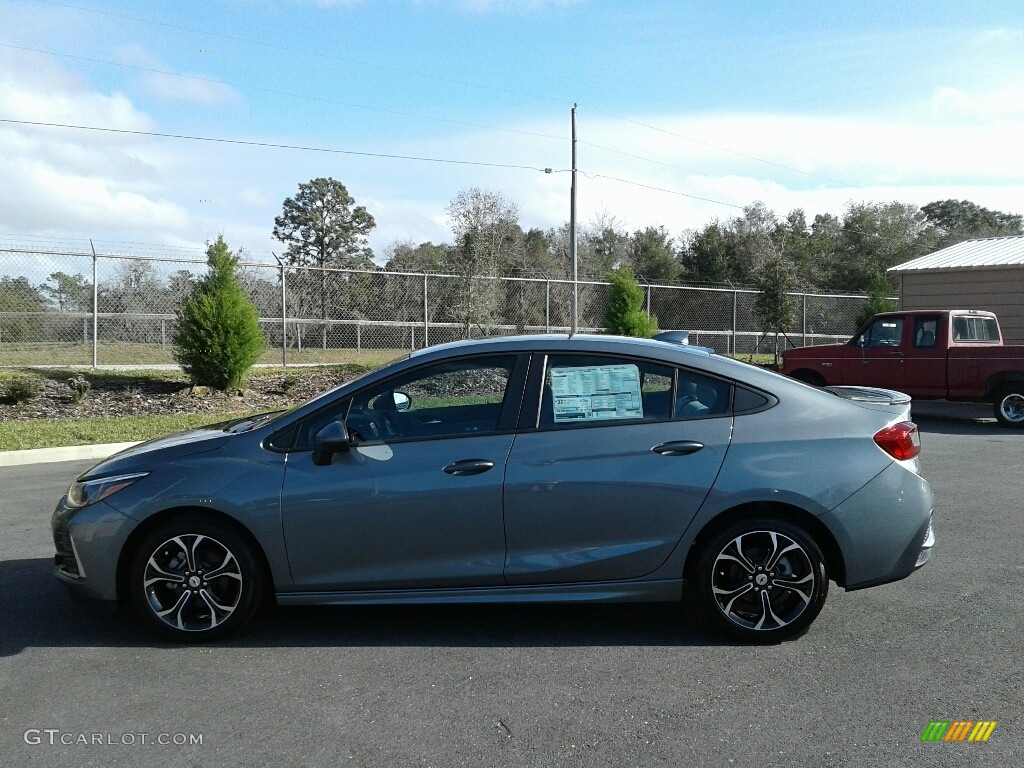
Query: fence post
[[95, 304], [85, 331], [547, 306], [426, 313], [735, 301], [163, 333], [284, 315], [804, 321], [359, 336], [648, 300]]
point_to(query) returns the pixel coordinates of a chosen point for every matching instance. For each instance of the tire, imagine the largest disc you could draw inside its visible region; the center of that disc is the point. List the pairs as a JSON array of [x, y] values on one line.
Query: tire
[[809, 377], [761, 579], [1008, 405], [195, 581]]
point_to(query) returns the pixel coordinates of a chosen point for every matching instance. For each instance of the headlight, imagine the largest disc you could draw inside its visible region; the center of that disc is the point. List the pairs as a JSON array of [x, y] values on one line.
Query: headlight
[[90, 491]]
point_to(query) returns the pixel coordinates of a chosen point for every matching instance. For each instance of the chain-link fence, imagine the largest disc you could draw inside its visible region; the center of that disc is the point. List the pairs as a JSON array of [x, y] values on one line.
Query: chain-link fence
[[62, 306]]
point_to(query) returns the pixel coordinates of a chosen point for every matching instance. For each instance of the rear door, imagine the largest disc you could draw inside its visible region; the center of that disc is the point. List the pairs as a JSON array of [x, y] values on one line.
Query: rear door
[[610, 467], [924, 368]]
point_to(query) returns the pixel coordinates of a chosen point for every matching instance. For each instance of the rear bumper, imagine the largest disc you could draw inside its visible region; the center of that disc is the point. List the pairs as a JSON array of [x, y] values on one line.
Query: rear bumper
[[885, 529], [917, 554]]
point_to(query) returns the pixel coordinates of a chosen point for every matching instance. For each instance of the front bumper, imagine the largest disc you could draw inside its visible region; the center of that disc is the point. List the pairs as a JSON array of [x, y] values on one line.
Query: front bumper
[[88, 544]]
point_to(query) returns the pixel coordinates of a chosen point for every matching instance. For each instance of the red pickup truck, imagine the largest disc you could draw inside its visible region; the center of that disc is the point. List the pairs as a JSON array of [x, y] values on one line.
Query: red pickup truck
[[948, 354]]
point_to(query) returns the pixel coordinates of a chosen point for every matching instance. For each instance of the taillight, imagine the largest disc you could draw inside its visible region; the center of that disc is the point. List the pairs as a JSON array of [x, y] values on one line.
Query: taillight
[[901, 441]]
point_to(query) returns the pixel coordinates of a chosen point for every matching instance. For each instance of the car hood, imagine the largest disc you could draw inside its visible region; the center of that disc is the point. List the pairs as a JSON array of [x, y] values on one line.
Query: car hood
[[178, 445], [814, 351]]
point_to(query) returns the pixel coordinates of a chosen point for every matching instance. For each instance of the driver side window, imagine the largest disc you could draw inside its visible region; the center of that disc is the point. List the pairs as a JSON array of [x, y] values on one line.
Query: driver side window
[[884, 332], [463, 397]]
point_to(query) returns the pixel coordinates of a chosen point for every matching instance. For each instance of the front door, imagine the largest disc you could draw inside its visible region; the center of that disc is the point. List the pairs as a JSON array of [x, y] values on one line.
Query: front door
[[881, 355], [417, 501]]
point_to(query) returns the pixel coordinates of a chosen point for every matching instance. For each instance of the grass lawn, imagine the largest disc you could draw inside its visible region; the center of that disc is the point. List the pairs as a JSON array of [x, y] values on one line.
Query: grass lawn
[[124, 353], [45, 433]]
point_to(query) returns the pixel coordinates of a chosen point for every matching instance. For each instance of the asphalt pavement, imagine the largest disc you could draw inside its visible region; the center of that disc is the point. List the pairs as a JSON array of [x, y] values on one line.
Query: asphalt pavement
[[629, 685]]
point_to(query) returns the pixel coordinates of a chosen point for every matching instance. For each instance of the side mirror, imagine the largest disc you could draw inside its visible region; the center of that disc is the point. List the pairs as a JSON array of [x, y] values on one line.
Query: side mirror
[[332, 439], [402, 401]]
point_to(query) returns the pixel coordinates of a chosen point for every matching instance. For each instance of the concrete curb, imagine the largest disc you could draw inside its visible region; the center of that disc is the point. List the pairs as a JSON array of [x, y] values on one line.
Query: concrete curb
[[71, 453]]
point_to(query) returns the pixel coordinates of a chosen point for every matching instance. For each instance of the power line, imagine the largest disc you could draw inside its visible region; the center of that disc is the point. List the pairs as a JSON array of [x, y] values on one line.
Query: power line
[[453, 81], [725, 149], [215, 81], [272, 145], [660, 189]]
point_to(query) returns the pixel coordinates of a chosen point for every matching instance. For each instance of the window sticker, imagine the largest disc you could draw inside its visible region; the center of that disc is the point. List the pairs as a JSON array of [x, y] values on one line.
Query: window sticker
[[596, 393]]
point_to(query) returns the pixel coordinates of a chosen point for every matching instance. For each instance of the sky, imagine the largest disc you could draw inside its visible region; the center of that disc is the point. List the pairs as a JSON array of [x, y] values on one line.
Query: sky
[[686, 112]]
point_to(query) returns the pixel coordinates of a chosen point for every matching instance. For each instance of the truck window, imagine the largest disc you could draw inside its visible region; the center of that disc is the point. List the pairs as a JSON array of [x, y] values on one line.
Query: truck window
[[884, 332], [925, 329], [967, 329]]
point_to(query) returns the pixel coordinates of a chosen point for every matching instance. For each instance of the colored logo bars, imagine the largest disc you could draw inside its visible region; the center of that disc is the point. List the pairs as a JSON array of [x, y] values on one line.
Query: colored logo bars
[[959, 730]]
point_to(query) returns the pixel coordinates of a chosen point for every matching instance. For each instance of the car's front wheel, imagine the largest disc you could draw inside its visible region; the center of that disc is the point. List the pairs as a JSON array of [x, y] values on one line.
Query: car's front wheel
[[762, 579], [196, 581]]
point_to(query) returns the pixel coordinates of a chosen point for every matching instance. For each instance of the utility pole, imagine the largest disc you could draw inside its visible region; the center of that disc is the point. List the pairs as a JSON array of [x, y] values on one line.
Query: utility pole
[[572, 233]]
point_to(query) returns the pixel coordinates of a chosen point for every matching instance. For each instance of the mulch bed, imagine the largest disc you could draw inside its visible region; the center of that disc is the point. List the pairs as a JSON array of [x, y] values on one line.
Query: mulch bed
[[125, 396]]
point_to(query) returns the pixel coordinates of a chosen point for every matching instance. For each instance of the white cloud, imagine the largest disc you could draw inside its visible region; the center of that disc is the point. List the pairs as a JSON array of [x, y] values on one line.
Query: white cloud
[[994, 103], [188, 89], [193, 88]]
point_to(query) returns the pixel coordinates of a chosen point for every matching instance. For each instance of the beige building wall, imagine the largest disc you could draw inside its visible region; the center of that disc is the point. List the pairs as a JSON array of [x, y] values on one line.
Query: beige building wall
[[995, 290]]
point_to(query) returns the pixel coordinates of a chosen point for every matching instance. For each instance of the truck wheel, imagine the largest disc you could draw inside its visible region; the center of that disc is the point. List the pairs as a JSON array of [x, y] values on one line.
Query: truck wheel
[[1009, 405]]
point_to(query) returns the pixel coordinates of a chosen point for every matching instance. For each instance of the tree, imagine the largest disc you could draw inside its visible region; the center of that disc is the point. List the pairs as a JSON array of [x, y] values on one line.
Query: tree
[[487, 238], [403, 256], [652, 255], [774, 307], [218, 336], [625, 315], [71, 293], [751, 236], [706, 255], [18, 295], [322, 227], [876, 236], [959, 220], [878, 301]]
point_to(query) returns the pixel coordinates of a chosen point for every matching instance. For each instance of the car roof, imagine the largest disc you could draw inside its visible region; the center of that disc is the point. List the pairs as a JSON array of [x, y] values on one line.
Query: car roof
[[666, 352], [560, 341]]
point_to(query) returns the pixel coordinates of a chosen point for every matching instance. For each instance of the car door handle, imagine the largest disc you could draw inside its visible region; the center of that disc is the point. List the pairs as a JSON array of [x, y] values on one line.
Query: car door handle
[[678, 448], [469, 467]]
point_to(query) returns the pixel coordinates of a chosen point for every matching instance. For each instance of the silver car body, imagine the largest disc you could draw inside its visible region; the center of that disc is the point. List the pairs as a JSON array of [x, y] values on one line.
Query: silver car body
[[591, 513]]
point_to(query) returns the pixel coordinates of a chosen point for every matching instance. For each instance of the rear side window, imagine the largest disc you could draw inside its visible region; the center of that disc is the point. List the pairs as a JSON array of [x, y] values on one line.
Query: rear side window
[[698, 396], [583, 389], [968, 329], [925, 332]]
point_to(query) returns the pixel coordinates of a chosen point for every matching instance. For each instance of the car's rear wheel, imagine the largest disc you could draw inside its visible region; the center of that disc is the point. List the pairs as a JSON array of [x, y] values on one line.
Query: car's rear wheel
[[196, 581], [1009, 405], [762, 579]]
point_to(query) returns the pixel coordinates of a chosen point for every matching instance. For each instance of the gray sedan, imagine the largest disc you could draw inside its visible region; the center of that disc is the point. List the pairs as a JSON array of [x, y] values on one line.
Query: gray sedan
[[521, 469]]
